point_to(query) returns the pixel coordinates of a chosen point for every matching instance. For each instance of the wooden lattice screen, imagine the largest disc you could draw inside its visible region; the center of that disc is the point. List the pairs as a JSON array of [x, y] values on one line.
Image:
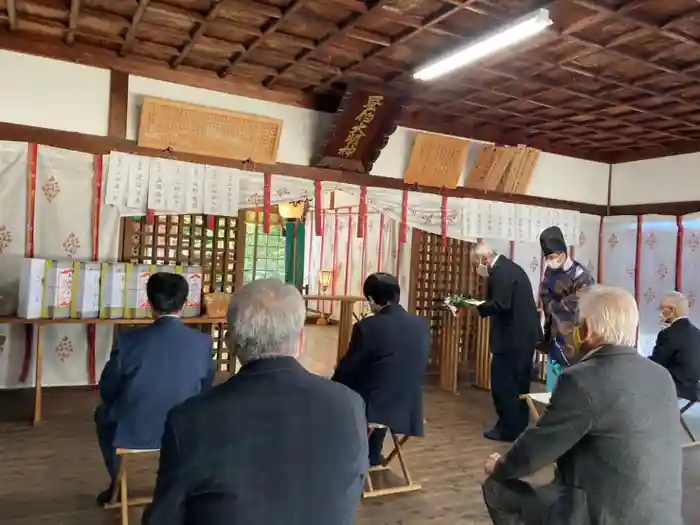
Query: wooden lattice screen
[[186, 240], [438, 271]]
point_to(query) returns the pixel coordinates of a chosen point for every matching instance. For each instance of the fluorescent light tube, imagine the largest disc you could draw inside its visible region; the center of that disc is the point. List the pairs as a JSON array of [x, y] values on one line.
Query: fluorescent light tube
[[520, 30]]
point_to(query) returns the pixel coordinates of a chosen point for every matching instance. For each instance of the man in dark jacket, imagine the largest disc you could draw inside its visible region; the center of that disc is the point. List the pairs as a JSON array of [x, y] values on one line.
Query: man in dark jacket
[[275, 444], [677, 346], [515, 332], [386, 363], [149, 371], [612, 428]]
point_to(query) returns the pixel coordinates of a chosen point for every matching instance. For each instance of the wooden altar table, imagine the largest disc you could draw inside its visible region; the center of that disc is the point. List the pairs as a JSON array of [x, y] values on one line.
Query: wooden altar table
[[344, 332]]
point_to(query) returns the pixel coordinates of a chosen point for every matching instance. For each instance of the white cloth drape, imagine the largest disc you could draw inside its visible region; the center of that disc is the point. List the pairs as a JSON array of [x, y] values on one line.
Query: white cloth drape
[[657, 274], [529, 256], [620, 251], [13, 229], [690, 264], [588, 243]]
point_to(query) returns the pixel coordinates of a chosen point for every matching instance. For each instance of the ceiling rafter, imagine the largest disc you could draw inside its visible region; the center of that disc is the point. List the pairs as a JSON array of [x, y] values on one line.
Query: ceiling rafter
[[130, 37], [199, 33], [343, 28], [73, 21], [427, 23], [12, 14], [269, 29]]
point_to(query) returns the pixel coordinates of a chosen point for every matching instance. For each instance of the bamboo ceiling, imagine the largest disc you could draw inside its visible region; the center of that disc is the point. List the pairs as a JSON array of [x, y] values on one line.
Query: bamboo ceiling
[[614, 80]]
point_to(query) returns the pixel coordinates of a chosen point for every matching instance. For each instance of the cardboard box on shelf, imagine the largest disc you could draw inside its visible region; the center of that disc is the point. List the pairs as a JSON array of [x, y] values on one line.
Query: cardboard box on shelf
[[112, 290], [86, 290], [136, 304], [30, 300], [58, 290]]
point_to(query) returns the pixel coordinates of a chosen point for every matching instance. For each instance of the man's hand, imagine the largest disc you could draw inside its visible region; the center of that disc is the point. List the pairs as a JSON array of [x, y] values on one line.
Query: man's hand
[[490, 463]]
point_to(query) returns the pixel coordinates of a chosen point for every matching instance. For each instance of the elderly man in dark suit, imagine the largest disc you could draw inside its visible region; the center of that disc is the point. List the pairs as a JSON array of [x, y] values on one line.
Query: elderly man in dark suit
[[149, 371], [386, 363], [515, 332], [612, 428], [275, 444], [677, 346]]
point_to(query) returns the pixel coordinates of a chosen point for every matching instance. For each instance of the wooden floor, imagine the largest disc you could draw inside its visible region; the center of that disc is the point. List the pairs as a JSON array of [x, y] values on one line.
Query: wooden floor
[[50, 475]]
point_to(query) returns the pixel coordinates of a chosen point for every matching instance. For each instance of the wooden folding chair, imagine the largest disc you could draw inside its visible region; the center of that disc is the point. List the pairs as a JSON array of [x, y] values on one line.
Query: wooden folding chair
[[120, 495], [407, 484], [533, 398]]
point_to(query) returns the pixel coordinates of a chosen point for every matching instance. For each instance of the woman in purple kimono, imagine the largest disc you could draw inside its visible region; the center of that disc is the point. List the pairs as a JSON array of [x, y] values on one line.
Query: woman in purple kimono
[[563, 282]]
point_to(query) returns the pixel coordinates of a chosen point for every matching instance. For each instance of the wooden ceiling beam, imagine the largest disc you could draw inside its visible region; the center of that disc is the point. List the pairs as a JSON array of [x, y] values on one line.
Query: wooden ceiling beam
[[12, 14], [100, 145], [343, 28], [73, 21], [199, 33], [130, 37], [269, 29]]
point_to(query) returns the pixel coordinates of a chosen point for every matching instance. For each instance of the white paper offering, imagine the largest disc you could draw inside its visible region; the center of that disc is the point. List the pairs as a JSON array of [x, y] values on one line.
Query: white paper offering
[[174, 192], [156, 187], [194, 188], [117, 179], [137, 191]]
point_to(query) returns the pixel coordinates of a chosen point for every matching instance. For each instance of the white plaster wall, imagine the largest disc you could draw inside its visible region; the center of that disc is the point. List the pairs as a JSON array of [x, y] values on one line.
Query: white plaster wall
[[567, 178], [667, 179], [51, 94]]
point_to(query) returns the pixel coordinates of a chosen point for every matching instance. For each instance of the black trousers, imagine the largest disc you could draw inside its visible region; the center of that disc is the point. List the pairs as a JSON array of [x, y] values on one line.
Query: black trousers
[[376, 444], [511, 374], [516, 502], [106, 428]]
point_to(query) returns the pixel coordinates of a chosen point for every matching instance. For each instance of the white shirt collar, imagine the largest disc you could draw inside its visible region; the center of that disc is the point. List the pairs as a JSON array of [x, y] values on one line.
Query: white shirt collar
[[494, 260]]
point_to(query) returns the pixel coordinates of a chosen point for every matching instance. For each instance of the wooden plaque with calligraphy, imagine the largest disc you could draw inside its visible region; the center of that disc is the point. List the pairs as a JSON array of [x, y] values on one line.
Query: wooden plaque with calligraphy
[[437, 161], [507, 169], [362, 126], [207, 131]]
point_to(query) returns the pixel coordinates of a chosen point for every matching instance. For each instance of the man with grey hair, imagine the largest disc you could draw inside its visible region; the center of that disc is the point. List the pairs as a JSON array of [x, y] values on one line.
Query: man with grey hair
[[612, 428], [515, 332], [273, 445], [677, 346]]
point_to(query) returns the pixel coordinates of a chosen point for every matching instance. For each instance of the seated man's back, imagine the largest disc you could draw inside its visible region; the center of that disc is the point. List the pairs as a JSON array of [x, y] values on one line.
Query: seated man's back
[[275, 444], [149, 371], [161, 365]]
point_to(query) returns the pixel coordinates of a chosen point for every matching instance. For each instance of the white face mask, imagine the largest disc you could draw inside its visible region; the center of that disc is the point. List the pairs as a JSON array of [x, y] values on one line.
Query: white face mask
[[555, 264], [482, 270]]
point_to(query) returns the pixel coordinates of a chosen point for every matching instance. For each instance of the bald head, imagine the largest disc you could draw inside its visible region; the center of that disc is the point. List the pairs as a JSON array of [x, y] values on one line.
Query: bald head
[[483, 250], [610, 315]]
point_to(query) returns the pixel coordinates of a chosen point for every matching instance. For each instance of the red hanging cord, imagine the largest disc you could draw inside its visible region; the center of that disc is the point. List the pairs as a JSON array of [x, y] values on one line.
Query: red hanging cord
[[404, 218], [362, 215], [318, 207], [266, 202]]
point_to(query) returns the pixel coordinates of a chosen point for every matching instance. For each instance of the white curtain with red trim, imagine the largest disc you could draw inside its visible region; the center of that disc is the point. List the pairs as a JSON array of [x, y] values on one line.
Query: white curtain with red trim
[[657, 273], [689, 263], [13, 229], [63, 229]]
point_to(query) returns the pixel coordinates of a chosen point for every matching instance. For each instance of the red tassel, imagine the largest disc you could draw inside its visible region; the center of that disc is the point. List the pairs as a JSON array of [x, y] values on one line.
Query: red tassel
[[404, 218], [267, 197], [211, 222], [362, 219], [150, 217], [444, 221], [318, 207], [92, 344]]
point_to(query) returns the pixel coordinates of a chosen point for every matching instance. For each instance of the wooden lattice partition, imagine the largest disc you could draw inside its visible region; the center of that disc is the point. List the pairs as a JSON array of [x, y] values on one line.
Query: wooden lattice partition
[[438, 271], [186, 240]]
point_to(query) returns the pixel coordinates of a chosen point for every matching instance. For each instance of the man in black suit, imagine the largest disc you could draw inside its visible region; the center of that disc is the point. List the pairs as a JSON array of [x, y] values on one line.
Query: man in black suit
[[612, 428], [150, 370], [677, 346], [275, 444], [386, 363], [515, 332]]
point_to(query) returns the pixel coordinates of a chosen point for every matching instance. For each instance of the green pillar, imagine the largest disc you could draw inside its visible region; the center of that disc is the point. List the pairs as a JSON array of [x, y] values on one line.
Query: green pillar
[[294, 252]]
